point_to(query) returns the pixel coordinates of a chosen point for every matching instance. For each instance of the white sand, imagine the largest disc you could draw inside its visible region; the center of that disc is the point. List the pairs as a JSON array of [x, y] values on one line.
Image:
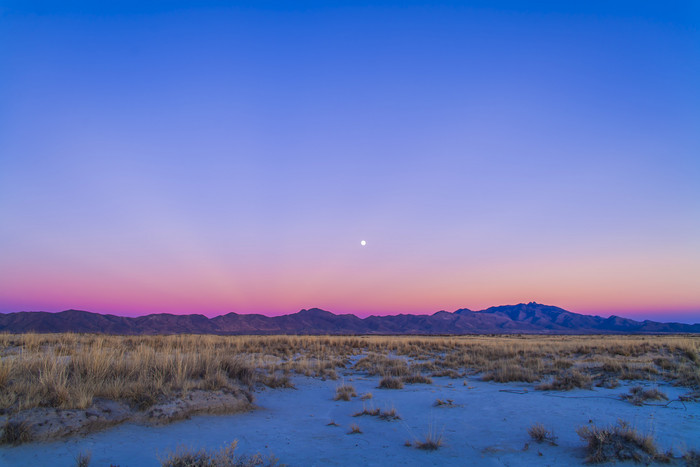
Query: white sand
[[489, 427]]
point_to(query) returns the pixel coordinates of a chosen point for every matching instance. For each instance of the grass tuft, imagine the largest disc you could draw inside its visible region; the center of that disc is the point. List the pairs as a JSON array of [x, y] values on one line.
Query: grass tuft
[[567, 381], [354, 429], [15, 433], [83, 459], [618, 442], [431, 442], [225, 457], [344, 392], [539, 433], [390, 382], [638, 395]]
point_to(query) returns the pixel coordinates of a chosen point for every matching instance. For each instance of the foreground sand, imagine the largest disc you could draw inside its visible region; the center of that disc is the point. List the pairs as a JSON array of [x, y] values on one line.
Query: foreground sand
[[486, 426]]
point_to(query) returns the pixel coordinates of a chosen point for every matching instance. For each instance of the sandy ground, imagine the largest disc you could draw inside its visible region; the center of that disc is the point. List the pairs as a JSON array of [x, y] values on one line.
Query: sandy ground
[[488, 426]]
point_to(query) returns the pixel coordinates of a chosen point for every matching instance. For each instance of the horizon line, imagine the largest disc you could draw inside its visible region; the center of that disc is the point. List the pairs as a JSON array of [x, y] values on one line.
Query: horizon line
[[359, 316]]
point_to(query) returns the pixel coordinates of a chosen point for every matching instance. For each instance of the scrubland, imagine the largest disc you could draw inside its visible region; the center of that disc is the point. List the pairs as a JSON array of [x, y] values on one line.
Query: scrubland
[[70, 370], [64, 372]]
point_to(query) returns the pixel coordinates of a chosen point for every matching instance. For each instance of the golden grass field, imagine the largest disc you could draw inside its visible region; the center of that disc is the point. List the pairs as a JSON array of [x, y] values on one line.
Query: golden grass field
[[69, 371]]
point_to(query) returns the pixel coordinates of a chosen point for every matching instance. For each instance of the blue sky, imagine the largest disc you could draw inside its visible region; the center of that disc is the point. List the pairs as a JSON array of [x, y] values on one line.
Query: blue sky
[[218, 156]]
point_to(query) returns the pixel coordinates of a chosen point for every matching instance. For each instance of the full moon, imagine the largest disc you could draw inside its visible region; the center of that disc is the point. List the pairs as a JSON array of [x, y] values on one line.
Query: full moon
[[363, 243]]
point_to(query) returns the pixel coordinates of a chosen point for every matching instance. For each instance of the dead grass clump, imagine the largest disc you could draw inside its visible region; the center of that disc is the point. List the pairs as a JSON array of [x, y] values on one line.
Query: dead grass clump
[[366, 396], [618, 442], [417, 379], [354, 429], [444, 403], [389, 415], [225, 457], [692, 396], [278, 381], [83, 459], [431, 442], [508, 373], [14, 432], [366, 411], [539, 433], [389, 382], [692, 458], [567, 381], [344, 392], [638, 395], [453, 374], [376, 364]]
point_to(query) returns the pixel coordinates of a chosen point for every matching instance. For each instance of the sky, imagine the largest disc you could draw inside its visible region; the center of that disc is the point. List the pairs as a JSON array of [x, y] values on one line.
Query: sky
[[209, 157]]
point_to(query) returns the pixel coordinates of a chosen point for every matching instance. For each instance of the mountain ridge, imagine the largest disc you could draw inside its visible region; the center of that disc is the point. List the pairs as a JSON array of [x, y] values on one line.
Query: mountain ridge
[[523, 318]]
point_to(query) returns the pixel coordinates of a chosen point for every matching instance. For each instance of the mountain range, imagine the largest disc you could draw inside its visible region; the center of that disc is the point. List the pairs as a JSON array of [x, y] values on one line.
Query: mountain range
[[526, 318]]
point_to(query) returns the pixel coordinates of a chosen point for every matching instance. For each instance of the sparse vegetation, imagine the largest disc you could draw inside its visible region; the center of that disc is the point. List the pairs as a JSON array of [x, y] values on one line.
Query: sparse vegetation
[[431, 442], [71, 371], [417, 379], [638, 395], [83, 459], [388, 415], [571, 379], [344, 392], [14, 432], [225, 457], [540, 433], [389, 382], [444, 403], [619, 442], [354, 429]]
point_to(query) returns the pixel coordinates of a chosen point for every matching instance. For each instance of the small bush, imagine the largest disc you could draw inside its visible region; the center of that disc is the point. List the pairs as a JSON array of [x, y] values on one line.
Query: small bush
[[225, 457], [276, 381], [83, 459], [354, 429], [382, 415], [692, 458], [389, 415], [444, 403], [511, 373], [567, 381], [638, 395], [389, 382], [15, 433], [620, 442], [432, 442], [417, 379], [344, 392], [539, 433]]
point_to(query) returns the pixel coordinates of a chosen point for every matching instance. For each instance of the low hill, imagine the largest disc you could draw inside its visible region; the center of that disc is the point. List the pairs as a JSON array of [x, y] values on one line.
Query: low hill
[[528, 318]]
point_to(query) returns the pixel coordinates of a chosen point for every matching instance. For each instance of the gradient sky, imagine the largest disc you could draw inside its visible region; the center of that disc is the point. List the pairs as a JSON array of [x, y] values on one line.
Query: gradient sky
[[208, 157]]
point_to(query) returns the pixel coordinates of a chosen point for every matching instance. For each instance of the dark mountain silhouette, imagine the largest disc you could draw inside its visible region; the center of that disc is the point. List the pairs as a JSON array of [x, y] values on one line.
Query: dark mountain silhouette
[[530, 318]]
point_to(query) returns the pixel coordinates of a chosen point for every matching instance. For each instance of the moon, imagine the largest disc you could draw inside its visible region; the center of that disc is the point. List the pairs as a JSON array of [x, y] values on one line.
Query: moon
[[363, 243]]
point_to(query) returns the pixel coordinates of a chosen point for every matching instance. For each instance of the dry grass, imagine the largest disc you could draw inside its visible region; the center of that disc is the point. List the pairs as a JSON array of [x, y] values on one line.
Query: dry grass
[[83, 459], [638, 395], [225, 457], [431, 442], [389, 382], [417, 379], [444, 403], [344, 392], [387, 415], [69, 370], [619, 442], [540, 433], [571, 379], [354, 429], [15, 433]]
